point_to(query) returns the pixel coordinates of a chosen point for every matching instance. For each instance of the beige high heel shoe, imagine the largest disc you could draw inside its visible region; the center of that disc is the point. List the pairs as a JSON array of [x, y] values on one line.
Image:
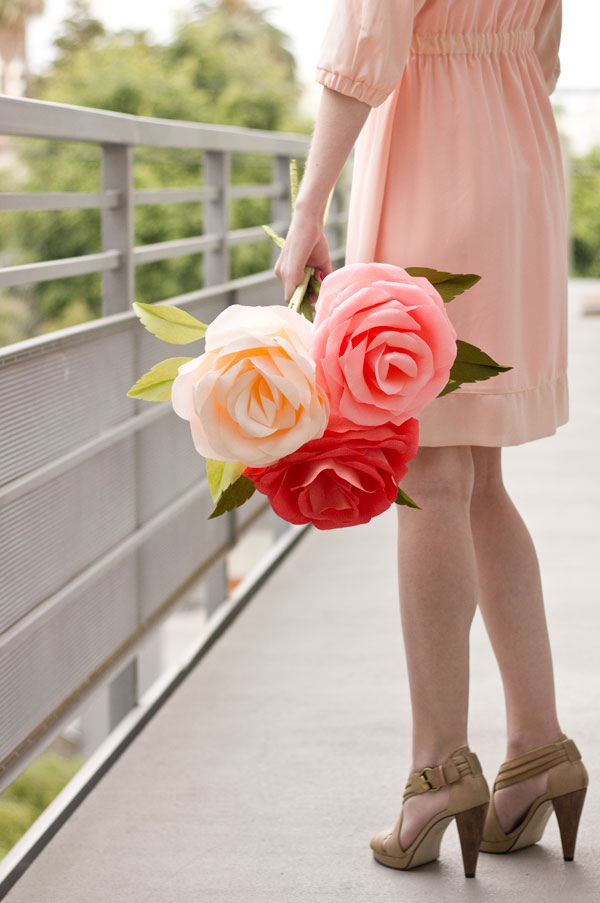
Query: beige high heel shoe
[[567, 784], [467, 802]]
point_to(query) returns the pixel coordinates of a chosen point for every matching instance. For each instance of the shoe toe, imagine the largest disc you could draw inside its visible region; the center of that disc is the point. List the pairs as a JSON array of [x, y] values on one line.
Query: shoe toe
[[376, 842]]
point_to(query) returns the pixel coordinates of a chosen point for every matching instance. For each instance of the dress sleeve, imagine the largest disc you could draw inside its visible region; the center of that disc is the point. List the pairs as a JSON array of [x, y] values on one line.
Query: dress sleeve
[[365, 48], [547, 41]]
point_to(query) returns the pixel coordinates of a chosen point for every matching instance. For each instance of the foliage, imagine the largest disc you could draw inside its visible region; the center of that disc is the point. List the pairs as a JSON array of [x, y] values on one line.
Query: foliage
[[31, 792], [226, 64], [585, 214]]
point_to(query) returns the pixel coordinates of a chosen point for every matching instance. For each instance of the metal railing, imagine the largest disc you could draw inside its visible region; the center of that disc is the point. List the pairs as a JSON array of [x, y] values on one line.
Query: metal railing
[[103, 500]]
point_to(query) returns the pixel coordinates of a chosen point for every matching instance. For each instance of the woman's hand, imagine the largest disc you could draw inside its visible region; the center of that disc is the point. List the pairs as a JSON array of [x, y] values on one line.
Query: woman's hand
[[305, 245]]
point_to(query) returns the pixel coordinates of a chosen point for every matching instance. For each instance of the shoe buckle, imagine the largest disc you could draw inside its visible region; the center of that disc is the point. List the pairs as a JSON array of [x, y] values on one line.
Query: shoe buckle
[[425, 780]]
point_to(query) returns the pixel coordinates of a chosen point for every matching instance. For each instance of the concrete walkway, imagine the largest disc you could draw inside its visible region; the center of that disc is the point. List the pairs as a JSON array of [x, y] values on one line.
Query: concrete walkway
[[265, 774]]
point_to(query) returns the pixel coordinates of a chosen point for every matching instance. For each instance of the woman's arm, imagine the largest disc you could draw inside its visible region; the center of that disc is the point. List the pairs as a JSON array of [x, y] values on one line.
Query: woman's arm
[[339, 121]]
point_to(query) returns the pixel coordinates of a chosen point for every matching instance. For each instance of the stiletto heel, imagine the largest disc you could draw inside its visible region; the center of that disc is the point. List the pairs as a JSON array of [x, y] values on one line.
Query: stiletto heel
[[468, 800], [568, 812], [567, 783], [470, 830]]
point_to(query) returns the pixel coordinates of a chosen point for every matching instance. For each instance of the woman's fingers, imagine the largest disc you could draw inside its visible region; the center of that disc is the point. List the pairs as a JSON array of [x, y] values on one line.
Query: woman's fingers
[[305, 245]]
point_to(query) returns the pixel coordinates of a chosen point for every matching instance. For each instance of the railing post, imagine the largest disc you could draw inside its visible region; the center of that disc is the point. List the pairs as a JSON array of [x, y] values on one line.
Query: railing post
[[217, 587], [122, 693], [117, 228], [280, 207], [217, 174], [333, 230], [217, 165]]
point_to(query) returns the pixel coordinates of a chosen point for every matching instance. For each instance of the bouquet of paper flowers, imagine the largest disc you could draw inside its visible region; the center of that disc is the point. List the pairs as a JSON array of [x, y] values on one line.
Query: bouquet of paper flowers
[[316, 409]]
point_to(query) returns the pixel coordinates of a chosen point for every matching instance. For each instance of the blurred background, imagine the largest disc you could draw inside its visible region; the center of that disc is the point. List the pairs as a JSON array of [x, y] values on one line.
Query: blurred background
[[224, 62]]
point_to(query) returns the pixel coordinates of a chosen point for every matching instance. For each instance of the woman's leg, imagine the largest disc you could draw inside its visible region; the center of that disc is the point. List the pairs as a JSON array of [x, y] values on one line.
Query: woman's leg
[[438, 596], [511, 602]]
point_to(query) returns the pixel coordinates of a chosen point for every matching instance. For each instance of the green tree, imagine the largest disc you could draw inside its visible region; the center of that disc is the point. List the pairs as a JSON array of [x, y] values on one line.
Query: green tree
[[585, 214], [226, 64]]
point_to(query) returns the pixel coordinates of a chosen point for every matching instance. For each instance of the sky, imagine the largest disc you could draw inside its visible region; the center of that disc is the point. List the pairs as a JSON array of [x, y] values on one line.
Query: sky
[[304, 21]]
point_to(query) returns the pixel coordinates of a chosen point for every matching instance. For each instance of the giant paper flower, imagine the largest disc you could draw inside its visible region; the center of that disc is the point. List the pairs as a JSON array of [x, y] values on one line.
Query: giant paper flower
[[340, 479], [383, 344], [252, 396]]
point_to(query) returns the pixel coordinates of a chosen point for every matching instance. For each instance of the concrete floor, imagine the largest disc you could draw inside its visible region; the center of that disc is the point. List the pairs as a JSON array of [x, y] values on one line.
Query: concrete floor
[[265, 774]]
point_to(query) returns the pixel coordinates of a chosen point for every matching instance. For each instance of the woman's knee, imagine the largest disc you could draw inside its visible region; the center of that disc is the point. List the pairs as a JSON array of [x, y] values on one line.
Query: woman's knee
[[443, 472]]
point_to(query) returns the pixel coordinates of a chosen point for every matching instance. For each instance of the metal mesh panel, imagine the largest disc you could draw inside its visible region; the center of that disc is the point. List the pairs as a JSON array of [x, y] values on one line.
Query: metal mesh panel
[[57, 396], [41, 666], [167, 463], [52, 533], [177, 550]]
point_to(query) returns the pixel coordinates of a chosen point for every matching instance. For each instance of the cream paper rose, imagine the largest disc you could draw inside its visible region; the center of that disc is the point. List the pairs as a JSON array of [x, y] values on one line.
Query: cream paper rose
[[252, 396]]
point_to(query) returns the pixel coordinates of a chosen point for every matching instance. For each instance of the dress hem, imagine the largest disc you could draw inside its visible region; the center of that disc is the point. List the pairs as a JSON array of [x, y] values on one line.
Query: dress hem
[[490, 419]]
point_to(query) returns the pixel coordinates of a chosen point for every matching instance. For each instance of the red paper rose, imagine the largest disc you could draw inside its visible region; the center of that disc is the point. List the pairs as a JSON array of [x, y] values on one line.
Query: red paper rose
[[340, 479]]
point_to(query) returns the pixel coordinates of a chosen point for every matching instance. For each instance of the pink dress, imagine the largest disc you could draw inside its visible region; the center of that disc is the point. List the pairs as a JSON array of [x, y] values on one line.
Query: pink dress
[[459, 167]]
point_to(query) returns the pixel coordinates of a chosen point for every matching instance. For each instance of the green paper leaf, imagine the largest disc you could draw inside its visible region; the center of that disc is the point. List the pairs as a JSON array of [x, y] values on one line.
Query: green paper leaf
[[156, 384], [306, 308], [450, 386], [314, 285], [279, 241], [472, 364], [170, 323], [403, 499], [234, 496], [221, 474], [448, 285]]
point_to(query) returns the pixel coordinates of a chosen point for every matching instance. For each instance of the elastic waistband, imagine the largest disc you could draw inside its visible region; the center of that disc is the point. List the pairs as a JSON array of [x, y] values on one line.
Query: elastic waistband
[[473, 42]]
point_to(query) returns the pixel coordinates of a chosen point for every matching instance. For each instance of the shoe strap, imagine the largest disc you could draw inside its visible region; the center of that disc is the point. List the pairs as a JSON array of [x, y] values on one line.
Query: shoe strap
[[535, 761], [461, 762]]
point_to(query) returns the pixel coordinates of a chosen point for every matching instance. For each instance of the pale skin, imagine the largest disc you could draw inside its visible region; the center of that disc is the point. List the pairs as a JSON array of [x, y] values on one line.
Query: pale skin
[[467, 546]]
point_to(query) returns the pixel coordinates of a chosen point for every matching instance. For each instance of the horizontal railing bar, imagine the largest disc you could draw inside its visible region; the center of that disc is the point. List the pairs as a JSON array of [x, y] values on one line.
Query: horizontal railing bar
[[105, 562], [27, 117], [247, 235], [337, 219], [174, 195], [273, 190], [80, 200], [79, 333], [58, 269], [52, 469], [178, 247], [58, 200], [105, 260]]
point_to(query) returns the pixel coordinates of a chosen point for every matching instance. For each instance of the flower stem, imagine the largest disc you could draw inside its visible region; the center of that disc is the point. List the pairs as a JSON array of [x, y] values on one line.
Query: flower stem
[[300, 291]]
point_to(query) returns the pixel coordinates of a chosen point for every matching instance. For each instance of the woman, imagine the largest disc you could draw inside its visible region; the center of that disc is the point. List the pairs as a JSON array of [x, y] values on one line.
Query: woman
[[458, 167]]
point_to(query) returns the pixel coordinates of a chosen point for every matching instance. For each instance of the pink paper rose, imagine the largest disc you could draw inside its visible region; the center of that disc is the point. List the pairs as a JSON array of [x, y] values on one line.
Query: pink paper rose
[[383, 344], [252, 396], [341, 479]]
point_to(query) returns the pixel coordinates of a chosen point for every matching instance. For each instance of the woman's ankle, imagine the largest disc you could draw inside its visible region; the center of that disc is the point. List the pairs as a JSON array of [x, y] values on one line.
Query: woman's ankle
[[435, 753], [525, 739]]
